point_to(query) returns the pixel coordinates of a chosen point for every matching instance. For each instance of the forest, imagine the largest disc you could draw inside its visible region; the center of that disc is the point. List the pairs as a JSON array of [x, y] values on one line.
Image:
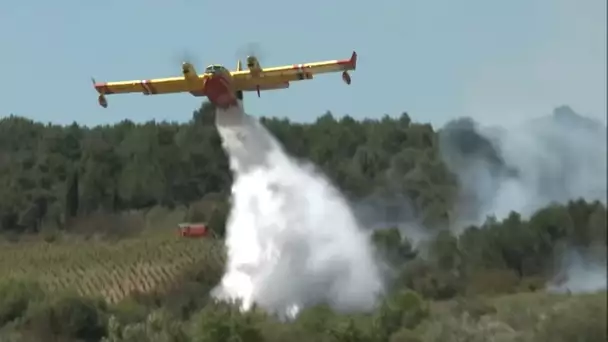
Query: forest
[[474, 277]]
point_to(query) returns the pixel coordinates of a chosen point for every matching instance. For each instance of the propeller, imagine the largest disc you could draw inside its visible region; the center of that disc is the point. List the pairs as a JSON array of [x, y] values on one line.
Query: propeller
[[186, 56], [250, 49]]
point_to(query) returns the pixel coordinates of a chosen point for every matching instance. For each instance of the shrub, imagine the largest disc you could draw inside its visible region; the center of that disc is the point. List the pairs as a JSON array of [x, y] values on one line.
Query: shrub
[[224, 322], [16, 298], [402, 309], [158, 326], [67, 317], [496, 281]]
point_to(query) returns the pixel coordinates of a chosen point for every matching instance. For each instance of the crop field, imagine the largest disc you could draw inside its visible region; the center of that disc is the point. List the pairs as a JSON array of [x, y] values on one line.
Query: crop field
[[110, 269]]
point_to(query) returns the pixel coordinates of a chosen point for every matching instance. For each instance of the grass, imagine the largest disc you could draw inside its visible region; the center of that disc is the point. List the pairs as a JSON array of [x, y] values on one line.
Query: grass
[[110, 269], [525, 317]]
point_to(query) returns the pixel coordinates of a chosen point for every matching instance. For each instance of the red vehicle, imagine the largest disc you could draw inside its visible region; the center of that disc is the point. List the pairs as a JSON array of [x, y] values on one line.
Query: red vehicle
[[194, 230]]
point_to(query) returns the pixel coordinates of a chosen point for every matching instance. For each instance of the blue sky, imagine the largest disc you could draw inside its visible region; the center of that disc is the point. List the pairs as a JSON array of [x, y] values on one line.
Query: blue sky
[[496, 61]]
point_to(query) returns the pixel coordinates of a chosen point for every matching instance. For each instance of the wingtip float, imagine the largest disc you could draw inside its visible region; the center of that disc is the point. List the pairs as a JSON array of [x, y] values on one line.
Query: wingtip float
[[224, 87]]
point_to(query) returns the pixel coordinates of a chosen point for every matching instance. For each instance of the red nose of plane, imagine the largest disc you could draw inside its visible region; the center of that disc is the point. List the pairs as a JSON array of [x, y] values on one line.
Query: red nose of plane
[[218, 89]]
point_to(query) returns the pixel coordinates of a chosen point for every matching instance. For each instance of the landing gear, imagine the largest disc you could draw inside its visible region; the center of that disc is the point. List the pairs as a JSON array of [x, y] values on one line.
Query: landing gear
[[346, 77], [102, 101]]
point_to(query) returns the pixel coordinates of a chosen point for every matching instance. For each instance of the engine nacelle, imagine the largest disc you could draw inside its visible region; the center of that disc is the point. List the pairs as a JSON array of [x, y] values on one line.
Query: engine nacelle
[[253, 65], [189, 72]]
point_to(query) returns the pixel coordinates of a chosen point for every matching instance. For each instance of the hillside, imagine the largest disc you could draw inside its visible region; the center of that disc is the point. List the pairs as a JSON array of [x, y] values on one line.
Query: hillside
[[88, 213]]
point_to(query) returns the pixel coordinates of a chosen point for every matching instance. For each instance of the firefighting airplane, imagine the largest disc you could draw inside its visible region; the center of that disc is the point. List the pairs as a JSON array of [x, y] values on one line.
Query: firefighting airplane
[[224, 87]]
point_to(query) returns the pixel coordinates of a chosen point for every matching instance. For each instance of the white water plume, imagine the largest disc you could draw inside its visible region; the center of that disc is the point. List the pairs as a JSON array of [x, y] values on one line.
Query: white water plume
[[292, 239]]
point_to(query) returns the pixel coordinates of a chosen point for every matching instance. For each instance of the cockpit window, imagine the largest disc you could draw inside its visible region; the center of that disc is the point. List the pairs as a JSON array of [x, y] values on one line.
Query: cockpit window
[[214, 68]]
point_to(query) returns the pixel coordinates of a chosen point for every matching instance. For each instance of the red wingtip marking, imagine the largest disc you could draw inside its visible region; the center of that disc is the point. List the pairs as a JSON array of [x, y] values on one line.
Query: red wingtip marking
[[352, 62], [99, 86]]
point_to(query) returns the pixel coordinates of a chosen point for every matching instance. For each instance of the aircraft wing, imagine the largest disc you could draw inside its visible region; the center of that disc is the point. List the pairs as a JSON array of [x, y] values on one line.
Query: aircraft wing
[[269, 77], [147, 87]]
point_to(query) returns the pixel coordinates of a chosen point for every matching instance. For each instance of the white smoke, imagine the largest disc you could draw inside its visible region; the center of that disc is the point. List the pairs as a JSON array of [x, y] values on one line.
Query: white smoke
[[382, 212], [527, 167], [524, 168], [579, 274], [292, 240]]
